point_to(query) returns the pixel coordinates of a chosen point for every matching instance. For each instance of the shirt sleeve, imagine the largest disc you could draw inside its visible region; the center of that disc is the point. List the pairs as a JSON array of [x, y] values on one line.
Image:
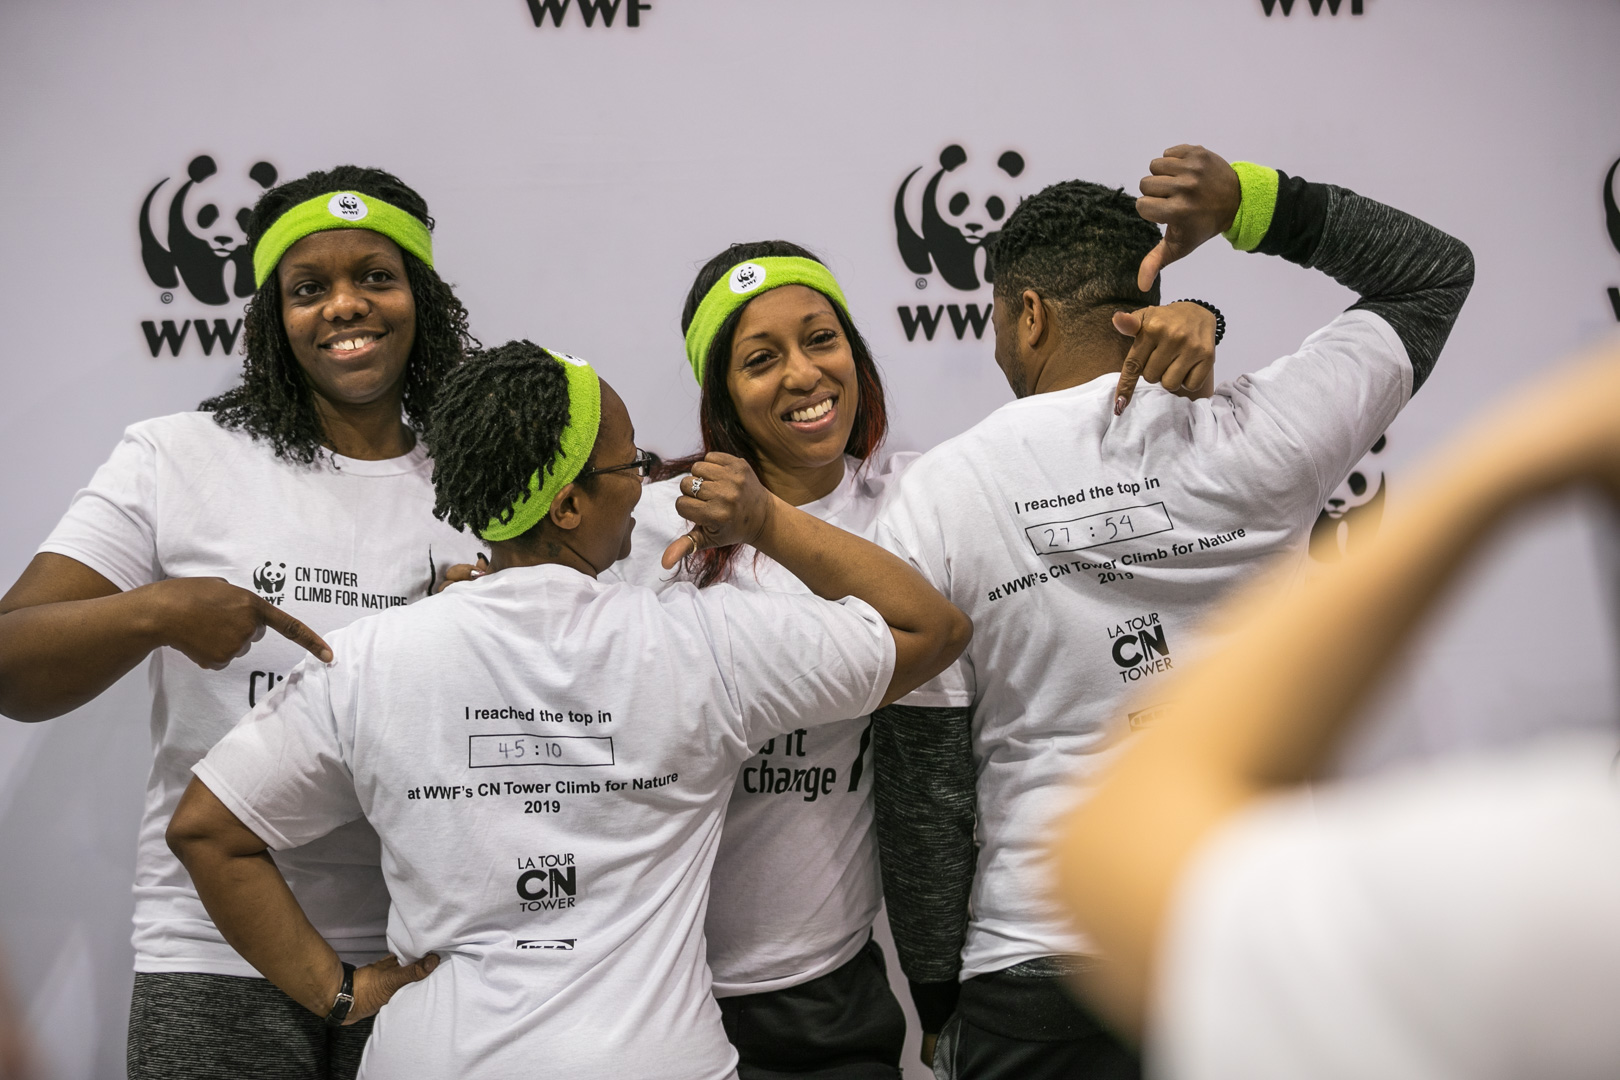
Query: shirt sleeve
[[1331, 400], [283, 770], [795, 661], [111, 525], [897, 533], [925, 804], [1407, 271], [1336, 396], [657, 524]]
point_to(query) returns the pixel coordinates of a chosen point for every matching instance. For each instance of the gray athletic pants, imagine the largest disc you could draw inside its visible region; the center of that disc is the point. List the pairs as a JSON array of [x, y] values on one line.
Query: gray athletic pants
[[185, 1026]]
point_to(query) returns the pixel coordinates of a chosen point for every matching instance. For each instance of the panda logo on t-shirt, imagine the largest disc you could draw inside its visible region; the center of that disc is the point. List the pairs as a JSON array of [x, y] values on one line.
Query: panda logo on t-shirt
[[270, 578]]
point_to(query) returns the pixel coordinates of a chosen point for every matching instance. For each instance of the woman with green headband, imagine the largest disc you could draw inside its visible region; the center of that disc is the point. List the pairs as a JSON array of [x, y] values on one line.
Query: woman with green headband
[[789, 385], [298, 500], [547, 756]]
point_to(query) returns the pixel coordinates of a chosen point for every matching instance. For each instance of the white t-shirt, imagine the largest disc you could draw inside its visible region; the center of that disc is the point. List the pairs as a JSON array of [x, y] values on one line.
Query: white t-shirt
[[1086, 547], [796, 885], [547, 758], [1452, 921], [183, 497]]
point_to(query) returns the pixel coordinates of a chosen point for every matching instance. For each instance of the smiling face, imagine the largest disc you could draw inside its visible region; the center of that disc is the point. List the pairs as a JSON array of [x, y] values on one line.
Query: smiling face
[[349, 314], [792, 378]]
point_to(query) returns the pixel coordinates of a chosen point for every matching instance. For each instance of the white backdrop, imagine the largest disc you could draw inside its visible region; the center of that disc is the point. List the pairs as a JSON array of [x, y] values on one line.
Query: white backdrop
[[580, 174]]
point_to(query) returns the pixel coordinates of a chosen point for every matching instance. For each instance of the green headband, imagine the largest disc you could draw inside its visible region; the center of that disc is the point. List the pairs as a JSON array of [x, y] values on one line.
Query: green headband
[[744, 282], [578, 439], [339, 210]]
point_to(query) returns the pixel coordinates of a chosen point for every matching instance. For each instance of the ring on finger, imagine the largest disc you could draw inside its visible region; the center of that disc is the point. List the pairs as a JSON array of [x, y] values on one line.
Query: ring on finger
[[697, 483]]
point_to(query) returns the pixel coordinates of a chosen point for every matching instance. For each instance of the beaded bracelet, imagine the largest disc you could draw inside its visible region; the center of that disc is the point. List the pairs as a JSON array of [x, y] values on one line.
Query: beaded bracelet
[[1220, 320]]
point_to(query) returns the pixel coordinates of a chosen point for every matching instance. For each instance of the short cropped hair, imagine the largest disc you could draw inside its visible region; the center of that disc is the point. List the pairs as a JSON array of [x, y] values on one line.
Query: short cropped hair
[[1077, 244]]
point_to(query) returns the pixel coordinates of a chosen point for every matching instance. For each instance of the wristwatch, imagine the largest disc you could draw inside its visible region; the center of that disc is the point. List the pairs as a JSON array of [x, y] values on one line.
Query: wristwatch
[[345, 999]]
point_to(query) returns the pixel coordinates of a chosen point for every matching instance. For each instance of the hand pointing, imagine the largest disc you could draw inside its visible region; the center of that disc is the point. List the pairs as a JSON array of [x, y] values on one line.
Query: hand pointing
[[1195, 195], [213, 622], [1174, 346]]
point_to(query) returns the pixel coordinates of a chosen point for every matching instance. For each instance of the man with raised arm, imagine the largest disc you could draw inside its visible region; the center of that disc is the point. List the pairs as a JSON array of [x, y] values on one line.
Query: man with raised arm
[[1086, 539]]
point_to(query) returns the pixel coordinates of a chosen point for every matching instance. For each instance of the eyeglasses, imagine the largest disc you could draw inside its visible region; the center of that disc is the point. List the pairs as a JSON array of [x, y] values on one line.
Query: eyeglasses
[[645, 462]]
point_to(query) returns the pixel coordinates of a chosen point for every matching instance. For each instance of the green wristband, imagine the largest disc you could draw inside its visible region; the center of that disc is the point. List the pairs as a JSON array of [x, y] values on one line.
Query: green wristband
[[744, 282], [339, 210], [573, 450], [1259, 203]]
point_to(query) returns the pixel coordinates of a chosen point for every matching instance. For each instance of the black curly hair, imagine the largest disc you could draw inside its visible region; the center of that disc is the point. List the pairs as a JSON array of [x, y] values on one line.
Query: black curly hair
[[273, 401], [499, 416], [1077, 245], [718, 419]]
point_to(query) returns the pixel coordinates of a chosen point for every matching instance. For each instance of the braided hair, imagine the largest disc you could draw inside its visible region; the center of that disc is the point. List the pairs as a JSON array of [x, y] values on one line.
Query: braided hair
[[274, 401], [498, 417], [1079, 246], [718, 419]]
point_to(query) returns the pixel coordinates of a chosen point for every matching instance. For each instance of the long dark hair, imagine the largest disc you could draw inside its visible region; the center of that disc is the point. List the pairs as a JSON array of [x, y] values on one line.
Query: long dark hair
[[274, 401], [718, 420]]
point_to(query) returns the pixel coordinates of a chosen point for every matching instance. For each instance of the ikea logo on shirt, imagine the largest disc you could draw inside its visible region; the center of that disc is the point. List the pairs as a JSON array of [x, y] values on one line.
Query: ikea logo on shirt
[[547, 882]]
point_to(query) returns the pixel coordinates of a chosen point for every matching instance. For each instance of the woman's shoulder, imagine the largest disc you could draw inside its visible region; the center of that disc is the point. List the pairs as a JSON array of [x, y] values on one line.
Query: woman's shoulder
[[189, 436], [871, 484], [191, 426], [657, 524], [655, 513], [878, 475]]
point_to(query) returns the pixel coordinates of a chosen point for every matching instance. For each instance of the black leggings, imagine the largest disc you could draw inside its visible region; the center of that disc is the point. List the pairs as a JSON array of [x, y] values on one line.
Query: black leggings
[[184, 1026], [846, 1025], [1009, 1027]]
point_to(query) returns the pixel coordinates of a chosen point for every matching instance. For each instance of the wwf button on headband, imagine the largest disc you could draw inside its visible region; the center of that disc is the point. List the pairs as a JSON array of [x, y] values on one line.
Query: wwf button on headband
[[339, 210], [740, 285], [573, 450]]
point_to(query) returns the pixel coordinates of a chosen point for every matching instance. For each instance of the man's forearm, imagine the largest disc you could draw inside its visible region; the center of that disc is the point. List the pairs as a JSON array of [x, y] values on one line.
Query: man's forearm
[[925, 811], [1404, 269]]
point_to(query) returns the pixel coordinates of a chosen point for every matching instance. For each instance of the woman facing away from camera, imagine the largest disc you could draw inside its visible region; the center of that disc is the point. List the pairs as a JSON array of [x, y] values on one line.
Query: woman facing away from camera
[[789, 385], [298, 500], [558, 908]]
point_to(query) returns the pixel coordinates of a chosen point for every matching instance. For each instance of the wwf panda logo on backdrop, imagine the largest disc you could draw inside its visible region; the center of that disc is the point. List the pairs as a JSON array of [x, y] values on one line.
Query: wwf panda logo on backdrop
[[1611, 212], [1353, 512], [963, 205], [205, 230]]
